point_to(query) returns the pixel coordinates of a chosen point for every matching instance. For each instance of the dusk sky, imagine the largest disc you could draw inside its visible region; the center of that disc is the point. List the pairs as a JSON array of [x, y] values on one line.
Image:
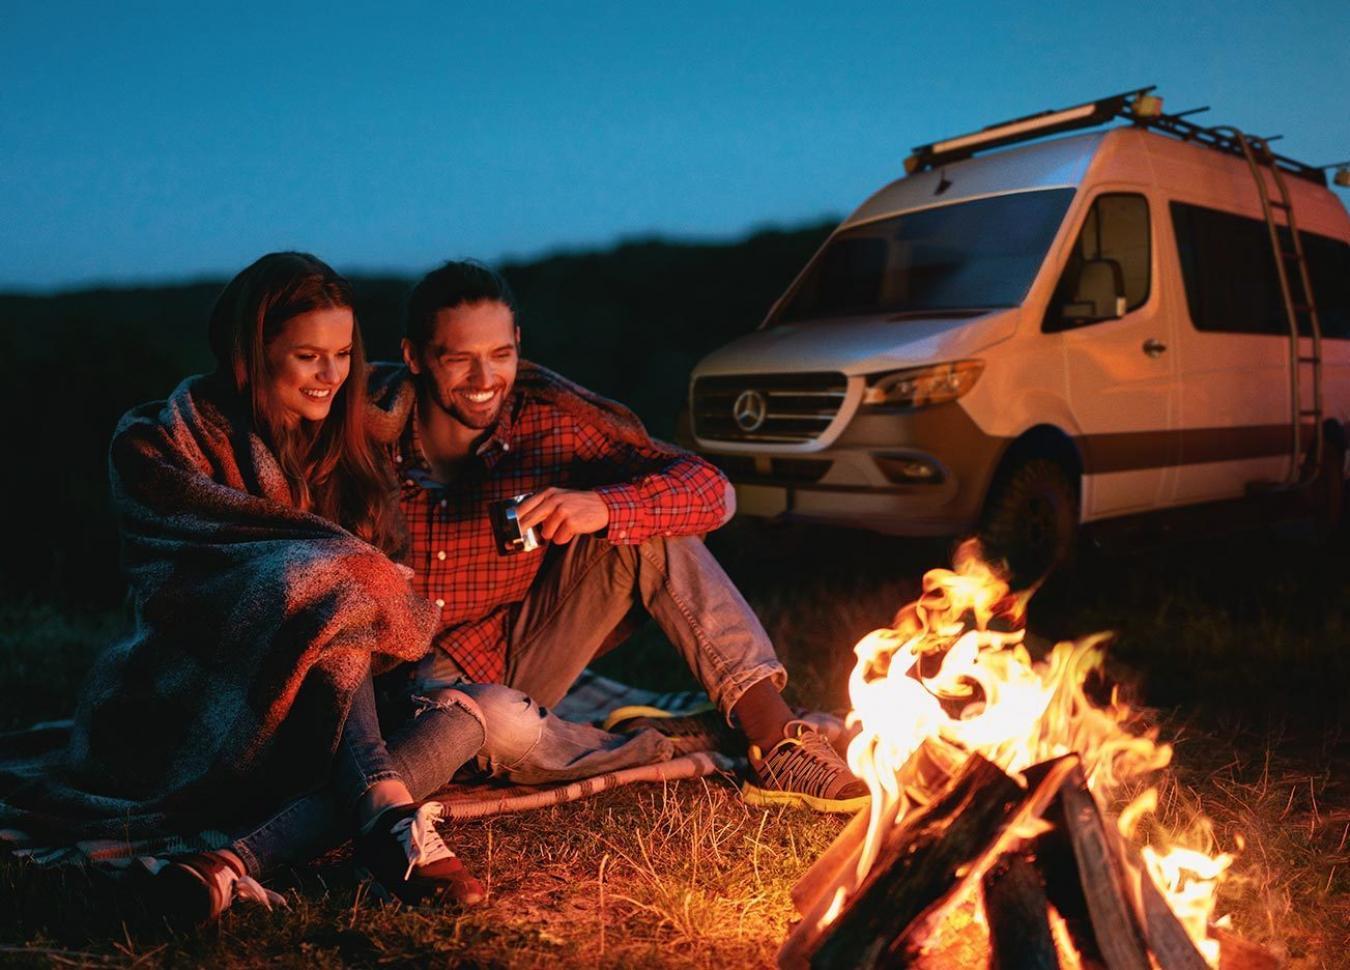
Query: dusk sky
[[166, 141]]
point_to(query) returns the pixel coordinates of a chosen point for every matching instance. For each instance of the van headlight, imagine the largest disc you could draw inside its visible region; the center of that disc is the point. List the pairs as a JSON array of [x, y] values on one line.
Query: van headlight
[[922, 386]]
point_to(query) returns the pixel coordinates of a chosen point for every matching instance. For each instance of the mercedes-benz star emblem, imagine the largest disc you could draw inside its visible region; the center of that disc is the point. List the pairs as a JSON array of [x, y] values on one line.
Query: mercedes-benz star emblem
[[750, 410]]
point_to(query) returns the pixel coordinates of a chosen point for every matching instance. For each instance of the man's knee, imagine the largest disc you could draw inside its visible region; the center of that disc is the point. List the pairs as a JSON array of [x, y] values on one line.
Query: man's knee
[[513, 723]]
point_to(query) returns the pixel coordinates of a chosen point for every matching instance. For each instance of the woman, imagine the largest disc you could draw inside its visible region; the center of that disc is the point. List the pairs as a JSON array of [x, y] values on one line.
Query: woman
[[256, 518]]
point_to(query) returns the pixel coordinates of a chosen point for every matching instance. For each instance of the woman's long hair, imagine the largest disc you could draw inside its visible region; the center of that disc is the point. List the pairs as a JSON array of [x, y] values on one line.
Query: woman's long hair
[[332, 466]]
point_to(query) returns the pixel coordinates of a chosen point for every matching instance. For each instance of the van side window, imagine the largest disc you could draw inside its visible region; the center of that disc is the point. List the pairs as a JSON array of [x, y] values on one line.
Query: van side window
[[1231, 284], [1329, 267], [1109, 272]]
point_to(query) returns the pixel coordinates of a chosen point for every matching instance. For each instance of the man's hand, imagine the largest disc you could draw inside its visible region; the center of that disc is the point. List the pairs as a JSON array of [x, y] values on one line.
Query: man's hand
[[561, 513]]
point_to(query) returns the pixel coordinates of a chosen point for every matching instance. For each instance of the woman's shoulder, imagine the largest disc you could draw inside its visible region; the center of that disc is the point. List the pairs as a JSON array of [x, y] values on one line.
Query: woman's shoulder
[[196, 427], [198, 402]]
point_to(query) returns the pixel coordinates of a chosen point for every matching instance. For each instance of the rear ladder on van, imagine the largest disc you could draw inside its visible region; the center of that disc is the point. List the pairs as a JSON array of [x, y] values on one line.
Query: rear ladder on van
[[1303, 467]]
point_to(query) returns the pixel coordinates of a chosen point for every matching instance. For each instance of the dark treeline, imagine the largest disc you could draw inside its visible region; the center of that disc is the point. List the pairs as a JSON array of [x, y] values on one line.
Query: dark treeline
[[629, 322]]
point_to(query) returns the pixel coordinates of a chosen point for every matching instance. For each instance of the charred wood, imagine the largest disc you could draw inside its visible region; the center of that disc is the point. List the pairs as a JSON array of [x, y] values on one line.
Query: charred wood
[[1101, 876], [929, 769], [1019, 916], [1167, 938], [925, 864]]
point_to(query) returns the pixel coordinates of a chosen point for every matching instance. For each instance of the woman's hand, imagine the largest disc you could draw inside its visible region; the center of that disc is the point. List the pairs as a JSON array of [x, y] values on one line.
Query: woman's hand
[[562, 513]]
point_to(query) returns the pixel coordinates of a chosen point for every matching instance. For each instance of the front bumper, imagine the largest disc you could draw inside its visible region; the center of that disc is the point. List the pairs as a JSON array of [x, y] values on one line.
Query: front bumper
[[864, 478]]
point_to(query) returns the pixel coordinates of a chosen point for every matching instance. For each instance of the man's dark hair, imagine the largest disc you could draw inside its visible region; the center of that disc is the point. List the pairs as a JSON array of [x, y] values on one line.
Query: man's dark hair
[[455, 283]]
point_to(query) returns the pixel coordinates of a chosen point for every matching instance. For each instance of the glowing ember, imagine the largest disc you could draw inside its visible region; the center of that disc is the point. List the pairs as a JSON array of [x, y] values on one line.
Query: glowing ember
[[954, 675]]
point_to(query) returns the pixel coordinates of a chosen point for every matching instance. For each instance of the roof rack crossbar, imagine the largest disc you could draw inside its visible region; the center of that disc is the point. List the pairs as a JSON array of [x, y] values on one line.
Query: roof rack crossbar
[[1135, 106]]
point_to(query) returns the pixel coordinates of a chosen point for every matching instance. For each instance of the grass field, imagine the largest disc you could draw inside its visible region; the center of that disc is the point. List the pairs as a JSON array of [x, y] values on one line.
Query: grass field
[[1241, 646]]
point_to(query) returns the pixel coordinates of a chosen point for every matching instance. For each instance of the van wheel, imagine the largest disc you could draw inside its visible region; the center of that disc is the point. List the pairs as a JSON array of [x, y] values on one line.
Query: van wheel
[[1031, 520]]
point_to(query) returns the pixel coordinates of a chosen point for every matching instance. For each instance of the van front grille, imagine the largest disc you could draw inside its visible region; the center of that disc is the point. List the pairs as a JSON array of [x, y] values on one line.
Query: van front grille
[[768, 408]]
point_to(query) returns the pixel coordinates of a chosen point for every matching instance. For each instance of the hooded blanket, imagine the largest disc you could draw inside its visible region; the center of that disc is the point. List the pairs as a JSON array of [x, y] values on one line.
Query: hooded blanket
[[254, 624]]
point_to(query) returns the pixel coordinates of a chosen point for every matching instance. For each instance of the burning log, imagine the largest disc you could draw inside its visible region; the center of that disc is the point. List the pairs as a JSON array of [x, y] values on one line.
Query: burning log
[[1019, 916], [945, 701], [924, 866], [1167, 938], [1094, 869], [835, 865], [977, 830], [931, 767]]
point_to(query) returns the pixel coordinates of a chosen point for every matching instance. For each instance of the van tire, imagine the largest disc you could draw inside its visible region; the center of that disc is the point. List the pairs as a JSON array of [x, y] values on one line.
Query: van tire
[[1031, 520]]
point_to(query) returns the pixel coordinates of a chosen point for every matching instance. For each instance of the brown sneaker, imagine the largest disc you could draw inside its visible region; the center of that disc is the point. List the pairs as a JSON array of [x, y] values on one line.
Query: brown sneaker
[[405, 855], [803, 769], [705, 730], [193, 890]]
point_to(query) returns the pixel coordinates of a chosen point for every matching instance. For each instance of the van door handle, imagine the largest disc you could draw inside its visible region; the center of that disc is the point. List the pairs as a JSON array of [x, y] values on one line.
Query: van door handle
[[1154, 348]]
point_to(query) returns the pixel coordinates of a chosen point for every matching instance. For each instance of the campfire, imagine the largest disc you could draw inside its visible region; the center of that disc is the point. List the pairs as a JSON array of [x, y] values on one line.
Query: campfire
[[1010, 797]]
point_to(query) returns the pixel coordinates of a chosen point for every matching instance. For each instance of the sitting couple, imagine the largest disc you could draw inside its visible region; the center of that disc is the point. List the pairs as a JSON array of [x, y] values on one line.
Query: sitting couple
[[297, 528]]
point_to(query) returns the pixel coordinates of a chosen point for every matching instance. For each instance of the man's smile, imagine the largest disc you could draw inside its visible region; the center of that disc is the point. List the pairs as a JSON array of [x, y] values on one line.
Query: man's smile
[[479, 398]]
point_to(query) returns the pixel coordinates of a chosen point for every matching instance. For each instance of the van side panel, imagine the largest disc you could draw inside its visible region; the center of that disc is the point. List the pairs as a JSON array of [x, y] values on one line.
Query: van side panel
[[1235, 410]]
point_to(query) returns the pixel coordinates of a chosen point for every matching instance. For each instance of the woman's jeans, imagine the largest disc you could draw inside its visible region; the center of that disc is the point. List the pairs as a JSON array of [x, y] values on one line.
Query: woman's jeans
[[423, 752]]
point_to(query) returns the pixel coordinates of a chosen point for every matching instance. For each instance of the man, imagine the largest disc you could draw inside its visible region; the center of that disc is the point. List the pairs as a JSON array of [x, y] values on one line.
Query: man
[[620, 516]]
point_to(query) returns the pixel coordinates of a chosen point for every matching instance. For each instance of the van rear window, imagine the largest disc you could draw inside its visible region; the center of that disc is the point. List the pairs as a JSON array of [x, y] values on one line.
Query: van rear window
[[973, 255], [1229, 272]]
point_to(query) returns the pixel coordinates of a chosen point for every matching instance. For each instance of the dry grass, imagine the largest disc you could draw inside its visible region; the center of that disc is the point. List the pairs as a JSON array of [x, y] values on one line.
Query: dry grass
[[1242, 643]]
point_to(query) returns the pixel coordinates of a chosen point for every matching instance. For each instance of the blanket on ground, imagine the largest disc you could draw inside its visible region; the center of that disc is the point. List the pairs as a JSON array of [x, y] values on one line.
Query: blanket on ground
[[590, 700], [254, 623]]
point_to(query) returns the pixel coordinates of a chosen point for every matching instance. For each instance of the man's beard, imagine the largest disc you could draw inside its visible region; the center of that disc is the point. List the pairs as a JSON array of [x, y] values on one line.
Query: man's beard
[[478, 419]]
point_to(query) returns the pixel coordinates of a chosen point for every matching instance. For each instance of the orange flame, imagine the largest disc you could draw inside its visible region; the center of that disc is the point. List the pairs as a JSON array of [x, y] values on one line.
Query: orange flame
[[954, 670]]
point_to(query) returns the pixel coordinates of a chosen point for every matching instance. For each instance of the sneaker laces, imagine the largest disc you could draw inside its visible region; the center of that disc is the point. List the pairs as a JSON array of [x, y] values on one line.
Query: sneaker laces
[[246, 889], [417, 835], [225, 885], [803, 761]]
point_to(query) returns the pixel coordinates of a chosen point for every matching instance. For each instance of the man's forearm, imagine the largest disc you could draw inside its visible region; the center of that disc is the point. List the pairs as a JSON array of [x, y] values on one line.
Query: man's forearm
[[687, 497]]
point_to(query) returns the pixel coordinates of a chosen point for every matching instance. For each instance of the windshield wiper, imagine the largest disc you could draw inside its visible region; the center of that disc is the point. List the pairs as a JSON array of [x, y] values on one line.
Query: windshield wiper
[[943, 314]]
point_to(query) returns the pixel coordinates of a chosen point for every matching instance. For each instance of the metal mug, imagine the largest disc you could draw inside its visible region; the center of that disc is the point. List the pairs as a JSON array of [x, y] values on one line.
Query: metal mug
[[511, 538]]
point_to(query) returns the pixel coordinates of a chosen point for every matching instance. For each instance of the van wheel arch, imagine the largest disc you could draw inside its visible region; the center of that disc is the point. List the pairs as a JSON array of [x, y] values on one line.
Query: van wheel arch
[[1033, 505]]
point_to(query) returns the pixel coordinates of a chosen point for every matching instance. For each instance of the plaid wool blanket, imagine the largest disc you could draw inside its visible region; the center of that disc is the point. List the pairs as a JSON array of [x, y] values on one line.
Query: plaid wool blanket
[[254, 623]]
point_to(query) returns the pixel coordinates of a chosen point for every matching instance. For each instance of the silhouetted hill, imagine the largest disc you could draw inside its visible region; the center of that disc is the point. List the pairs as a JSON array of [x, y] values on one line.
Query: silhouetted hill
[[629, 322]]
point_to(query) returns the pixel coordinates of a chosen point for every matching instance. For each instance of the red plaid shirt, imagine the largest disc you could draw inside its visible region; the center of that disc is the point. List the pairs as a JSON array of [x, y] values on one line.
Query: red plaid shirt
[[535, 444]]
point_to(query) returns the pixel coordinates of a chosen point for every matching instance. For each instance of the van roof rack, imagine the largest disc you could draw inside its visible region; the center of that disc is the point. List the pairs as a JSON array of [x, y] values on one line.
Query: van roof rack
[[1140, 107]]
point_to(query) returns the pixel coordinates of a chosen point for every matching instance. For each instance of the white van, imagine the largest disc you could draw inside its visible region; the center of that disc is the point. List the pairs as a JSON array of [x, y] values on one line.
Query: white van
[[1047, 335]]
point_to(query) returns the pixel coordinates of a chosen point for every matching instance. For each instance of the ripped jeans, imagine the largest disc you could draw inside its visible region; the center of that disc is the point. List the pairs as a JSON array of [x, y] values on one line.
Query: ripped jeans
[[583, 592], [423, 752]]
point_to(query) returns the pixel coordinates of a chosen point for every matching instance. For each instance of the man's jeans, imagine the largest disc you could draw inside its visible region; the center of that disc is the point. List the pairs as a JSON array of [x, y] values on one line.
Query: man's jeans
[[581, 594], [423, 752]]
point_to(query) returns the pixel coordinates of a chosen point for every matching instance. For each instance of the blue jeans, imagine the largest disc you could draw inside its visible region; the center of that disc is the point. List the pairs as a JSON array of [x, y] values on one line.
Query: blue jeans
[[582, 593], [423, 752]]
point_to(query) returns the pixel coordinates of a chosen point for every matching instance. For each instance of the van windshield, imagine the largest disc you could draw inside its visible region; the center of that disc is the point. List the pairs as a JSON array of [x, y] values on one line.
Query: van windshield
[[973, 255]]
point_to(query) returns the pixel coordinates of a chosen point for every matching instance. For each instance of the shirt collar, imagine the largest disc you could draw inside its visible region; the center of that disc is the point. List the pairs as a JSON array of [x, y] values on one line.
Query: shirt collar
[[411, 458], [502, 437]]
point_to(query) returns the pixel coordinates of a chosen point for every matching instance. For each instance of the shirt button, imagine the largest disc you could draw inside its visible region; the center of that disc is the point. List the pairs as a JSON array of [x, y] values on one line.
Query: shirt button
[[440, 604], [398, 459], [441, 555], [443, 503], [506, 446], [409, 481]]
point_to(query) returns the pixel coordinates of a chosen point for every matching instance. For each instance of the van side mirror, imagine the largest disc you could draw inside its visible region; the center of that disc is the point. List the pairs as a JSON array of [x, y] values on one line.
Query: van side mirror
[[1099, 293]]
